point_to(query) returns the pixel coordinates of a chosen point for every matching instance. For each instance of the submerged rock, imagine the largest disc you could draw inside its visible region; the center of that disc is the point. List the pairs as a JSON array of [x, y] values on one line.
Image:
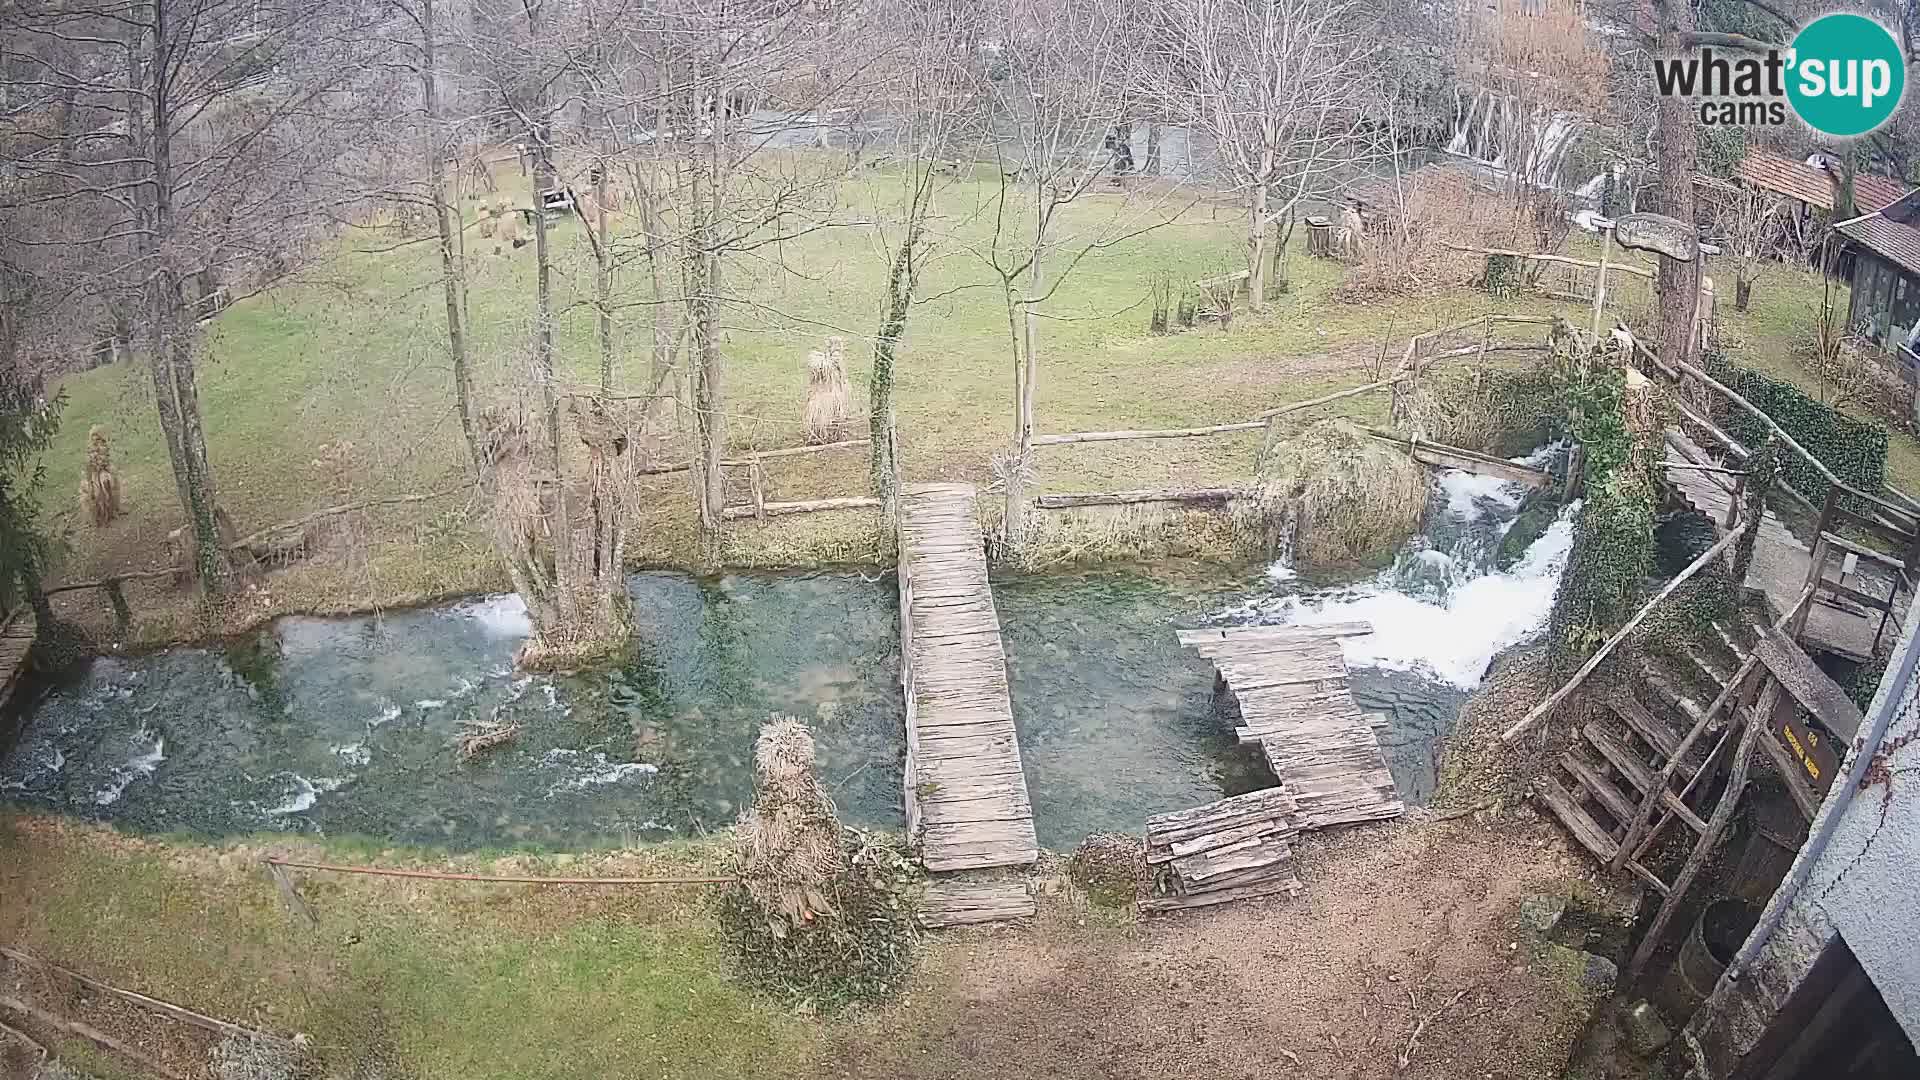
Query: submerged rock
[[1537, 512]]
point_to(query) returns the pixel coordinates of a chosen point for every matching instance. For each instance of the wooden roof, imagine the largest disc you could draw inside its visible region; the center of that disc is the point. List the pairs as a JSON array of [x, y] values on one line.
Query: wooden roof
[[1813, 185]]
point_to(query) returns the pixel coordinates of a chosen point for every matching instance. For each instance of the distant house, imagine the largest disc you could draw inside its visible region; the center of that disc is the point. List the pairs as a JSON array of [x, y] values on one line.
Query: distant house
[[1885, 254], [1814, 184]]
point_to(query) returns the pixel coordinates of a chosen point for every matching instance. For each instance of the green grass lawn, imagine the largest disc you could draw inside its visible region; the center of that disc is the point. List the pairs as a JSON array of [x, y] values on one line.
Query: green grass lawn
[[355, 352], [438, 979]]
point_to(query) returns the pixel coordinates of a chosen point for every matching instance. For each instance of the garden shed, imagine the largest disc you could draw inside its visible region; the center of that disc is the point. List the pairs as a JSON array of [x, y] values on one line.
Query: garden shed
[[1885, 246]]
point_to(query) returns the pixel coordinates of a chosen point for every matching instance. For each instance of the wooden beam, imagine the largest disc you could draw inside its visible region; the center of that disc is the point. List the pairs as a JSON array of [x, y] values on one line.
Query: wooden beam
[[1580, 676], [91, 1034], [1542, 256], [1278, 634], [197, 1019], [1167, 433], [1144, 495], [776, 509]]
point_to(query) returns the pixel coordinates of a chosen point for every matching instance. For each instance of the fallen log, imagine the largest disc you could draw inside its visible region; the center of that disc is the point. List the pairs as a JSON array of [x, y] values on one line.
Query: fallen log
[[1144, 495], [775, 509]]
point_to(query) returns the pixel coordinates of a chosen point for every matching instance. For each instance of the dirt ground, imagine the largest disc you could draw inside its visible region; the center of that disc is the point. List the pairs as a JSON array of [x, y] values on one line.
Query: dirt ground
[[1403, 929]]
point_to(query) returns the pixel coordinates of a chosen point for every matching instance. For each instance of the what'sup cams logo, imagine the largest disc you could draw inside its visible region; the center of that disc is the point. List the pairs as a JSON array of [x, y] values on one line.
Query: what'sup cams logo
[[1843, 76]]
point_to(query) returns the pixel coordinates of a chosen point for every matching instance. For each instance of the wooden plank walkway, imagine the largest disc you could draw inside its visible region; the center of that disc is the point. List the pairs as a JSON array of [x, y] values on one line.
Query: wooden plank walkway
[[966, 792], [1291, 686], [1780, 561], [16, 641]]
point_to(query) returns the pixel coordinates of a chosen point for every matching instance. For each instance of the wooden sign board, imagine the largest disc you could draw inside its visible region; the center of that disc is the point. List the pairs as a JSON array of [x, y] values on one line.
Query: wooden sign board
[[1657, 232], [1808, 747]]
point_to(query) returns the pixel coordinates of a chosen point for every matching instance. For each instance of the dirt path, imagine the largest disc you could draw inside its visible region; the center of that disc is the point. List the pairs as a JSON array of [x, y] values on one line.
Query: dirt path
[[1396, 922]]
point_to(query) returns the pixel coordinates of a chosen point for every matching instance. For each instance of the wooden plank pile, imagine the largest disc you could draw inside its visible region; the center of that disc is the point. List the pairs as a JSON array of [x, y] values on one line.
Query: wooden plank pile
[[1233, 849]]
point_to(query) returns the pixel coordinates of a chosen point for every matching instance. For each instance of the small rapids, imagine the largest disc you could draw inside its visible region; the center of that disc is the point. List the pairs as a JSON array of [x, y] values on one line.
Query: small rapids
[[1442, 610]]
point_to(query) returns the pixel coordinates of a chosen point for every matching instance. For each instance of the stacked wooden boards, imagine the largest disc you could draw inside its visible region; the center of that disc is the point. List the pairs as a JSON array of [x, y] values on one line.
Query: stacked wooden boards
[[1290, 684], [966, 793], [960, 900], [1233, 849]]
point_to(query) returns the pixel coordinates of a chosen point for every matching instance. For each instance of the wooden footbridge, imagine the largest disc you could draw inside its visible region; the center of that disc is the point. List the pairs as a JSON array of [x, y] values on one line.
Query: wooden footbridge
[[966, 791]]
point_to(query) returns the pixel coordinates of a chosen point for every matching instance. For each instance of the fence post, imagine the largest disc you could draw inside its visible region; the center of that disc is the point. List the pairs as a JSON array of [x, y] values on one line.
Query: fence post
[[122, 614]]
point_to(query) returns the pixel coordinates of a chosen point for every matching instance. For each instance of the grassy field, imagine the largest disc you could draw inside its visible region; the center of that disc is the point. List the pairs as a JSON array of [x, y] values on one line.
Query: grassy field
[[354, 353]]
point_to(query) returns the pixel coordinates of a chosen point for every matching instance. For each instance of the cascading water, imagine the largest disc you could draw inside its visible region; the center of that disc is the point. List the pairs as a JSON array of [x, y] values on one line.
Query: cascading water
[[1484, 132]]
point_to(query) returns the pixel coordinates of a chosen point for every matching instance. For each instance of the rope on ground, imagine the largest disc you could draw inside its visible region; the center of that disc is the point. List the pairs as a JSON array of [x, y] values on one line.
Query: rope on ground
[[167, 1008], [438, 875]]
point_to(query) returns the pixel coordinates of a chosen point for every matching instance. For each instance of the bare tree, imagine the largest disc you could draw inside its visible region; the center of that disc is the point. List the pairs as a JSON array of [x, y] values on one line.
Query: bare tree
[[202, 148], [925, 90], [1281, 89], [1058, 80]]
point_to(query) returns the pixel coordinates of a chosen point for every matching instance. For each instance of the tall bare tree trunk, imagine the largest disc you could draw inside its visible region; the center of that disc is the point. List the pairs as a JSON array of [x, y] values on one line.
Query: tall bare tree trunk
[[171, 349], [1026, 385], [884, 472], [453, 267], [1677, 284], [703, 285], [1257, 243]]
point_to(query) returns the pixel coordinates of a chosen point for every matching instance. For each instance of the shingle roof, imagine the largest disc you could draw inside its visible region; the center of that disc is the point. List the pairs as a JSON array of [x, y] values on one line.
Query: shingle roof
[[1898, 243], [1813, 185]]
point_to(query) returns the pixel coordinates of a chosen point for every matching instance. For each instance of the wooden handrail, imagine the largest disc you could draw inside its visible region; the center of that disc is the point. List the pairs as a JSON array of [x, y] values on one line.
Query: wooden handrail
[[1540, 710]]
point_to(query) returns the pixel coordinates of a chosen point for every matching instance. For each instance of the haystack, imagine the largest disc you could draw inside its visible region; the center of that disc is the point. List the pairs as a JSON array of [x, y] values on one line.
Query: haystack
[[99, 488], [829, 396], [1334, 497], [794, 846]]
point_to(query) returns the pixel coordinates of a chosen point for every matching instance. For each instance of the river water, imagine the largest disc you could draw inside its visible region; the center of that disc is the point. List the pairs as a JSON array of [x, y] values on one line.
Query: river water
[[345, 726]]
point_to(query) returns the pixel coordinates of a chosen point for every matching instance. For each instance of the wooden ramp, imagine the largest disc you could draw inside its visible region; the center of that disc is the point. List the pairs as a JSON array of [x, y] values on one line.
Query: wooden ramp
[[1780, 561], [966, 793], [16, 641], [1291, 686]]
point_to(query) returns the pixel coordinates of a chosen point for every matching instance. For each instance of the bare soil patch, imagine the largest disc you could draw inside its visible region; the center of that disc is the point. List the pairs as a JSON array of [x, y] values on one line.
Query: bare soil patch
[[1399, 924]]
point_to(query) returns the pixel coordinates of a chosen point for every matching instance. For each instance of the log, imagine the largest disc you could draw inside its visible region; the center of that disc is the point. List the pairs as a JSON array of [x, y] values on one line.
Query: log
[[1541, 256], [1123, 436], [1146, 495], [1586, 669], [758, 455], [88, 1032], [776, 509], [1452, 457]]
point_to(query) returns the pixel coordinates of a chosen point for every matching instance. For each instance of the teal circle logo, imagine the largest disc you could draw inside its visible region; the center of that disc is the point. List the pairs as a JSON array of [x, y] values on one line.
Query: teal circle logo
[[1845, 75]]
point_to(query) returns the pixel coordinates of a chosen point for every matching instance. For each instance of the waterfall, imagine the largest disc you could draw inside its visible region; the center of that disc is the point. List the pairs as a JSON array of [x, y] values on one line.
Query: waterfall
[[1481, 134]]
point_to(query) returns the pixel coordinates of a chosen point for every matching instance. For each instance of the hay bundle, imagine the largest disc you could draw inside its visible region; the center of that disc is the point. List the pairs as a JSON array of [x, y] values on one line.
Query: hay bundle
[[794, 845], [829, 396], [508, 231], [99, 488], [1333, 496]]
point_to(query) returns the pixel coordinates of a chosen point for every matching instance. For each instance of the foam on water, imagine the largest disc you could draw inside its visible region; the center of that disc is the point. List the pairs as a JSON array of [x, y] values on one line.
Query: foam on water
[[303, 793], [1468, 493], [142, 763], [1453, 638], [592, 770]]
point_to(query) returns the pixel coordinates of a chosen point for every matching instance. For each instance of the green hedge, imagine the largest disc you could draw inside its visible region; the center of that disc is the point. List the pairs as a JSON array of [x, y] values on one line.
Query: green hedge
[[1856, 450], [1607, 569]]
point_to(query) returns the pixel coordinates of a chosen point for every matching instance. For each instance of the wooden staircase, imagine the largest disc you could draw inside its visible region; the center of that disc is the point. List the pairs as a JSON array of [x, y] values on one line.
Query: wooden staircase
[[1643, 765]]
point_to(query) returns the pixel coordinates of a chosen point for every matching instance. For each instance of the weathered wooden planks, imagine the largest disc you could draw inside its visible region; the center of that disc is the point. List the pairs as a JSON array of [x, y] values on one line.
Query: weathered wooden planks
[[966, 793], [1291, 686], [952, 902], [1237, 847]]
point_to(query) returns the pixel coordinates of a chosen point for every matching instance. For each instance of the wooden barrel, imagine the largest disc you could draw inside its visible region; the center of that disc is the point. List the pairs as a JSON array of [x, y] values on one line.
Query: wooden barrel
[[1711, 945]]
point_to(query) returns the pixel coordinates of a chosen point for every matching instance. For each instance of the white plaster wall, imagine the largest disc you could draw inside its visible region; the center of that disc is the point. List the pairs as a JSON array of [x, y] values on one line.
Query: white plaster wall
[[1867, 882]]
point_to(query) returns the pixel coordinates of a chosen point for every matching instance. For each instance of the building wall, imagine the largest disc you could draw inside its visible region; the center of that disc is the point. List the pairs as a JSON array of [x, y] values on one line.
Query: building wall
[[1861, 886]]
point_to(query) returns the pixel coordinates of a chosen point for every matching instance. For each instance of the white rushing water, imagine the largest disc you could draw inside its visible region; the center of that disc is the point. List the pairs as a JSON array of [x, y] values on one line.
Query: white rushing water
[[149, 751], [1441, 610]]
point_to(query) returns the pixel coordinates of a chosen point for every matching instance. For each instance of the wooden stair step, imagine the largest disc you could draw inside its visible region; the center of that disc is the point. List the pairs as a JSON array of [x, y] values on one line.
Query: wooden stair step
[[1659, 734], [1710, 666], [1578, 822], [1604, 791], [1624, 761], [1734, 645], [1672, 695]]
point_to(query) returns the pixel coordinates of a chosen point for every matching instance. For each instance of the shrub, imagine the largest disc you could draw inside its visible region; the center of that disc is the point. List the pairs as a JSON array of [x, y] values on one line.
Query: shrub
[[1856, 450]]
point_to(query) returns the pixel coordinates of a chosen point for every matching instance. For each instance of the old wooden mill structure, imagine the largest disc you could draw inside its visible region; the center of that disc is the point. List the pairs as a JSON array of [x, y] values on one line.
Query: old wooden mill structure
[[1651, 755]]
